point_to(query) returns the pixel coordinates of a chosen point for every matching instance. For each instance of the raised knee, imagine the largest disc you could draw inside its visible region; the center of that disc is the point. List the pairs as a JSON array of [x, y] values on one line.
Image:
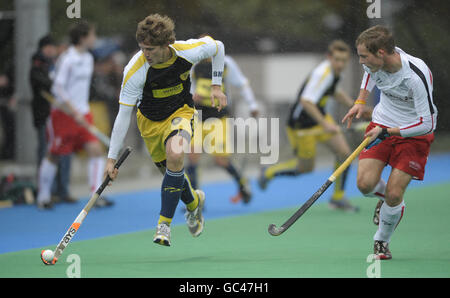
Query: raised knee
[[364, 185]]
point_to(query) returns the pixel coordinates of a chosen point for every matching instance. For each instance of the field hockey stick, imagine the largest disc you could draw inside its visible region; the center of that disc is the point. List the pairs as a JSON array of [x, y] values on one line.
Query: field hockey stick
[[79, 220], [91, 128], [275, 231]]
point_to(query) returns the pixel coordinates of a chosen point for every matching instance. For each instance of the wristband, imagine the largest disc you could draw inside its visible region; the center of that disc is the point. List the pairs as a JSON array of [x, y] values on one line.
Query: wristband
[[383, 134], [360, 101]]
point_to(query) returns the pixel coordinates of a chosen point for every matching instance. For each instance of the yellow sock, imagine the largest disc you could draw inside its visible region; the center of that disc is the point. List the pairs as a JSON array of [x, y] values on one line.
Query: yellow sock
[[164, 219], [282, 166], [192, 205], [338, 195]]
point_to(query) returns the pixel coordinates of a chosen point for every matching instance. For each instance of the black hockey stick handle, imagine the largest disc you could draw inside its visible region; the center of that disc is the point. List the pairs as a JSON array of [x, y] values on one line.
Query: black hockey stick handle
[[119, 162]]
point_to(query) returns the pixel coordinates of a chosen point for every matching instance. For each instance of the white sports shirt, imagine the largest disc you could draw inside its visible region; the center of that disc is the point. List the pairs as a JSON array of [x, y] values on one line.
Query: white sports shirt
[[406, 99], [73, 79]]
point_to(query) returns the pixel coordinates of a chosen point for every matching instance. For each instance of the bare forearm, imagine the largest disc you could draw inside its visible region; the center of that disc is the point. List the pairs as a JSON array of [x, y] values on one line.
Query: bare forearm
[[343, 98], [393, 131], [313, 111], [363, 94]]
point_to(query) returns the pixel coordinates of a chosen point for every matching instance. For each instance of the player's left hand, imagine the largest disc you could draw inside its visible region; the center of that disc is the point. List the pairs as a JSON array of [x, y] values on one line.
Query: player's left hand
[[377, 135], [216, 92]]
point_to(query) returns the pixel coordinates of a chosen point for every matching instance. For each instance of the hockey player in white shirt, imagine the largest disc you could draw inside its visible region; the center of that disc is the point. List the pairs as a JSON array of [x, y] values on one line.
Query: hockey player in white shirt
[[70, 114], [401, 130]]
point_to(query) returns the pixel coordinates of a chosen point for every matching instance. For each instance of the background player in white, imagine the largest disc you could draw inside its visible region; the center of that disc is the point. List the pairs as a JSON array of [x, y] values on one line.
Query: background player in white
[[401, 130], [65, 127]]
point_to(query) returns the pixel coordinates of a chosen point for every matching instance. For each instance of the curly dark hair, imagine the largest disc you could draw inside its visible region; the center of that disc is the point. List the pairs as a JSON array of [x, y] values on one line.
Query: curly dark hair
[[156, 30]]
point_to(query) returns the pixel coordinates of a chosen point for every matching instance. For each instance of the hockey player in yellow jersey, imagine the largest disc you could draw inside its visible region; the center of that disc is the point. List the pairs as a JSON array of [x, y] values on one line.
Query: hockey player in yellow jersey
[[308, 124], [216, 120], [157, 82]]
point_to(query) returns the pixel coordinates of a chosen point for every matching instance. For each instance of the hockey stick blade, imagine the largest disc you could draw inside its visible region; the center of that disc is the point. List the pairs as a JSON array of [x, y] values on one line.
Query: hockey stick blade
[[275, 231], [68, 236]]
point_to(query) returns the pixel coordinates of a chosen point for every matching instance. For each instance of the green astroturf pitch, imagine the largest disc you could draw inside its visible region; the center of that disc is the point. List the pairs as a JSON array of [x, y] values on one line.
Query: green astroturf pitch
[[323, 243]]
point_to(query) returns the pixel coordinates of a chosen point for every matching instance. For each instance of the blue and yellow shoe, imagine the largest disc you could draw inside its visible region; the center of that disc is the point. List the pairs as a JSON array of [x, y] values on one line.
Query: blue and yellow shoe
[[162, 235], [194, 219]]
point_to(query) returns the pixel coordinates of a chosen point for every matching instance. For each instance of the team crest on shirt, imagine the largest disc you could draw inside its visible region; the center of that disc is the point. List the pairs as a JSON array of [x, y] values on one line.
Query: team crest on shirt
[[185, 75]]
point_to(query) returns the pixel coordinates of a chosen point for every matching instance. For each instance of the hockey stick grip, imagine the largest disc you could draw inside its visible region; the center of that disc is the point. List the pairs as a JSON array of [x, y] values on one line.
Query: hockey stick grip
[[349, 160], [119, 162], [123, 157]]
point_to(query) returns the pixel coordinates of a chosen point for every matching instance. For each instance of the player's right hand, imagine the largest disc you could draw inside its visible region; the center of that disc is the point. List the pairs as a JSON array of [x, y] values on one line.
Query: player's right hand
[[216, 92], [110, 170], [357, 110]]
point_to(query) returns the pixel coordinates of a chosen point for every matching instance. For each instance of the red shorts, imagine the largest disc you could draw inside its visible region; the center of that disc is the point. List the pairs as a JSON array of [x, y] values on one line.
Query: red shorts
[[406, 154], [65, 135]]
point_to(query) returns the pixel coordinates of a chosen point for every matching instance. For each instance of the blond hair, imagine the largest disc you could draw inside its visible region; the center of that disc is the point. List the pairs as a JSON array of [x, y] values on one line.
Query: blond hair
[[338, 45]]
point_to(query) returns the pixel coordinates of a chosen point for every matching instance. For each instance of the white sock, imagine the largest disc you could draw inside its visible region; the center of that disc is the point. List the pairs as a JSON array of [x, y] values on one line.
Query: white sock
[[389, 219], [378, 191], [96, 167], [47, 173]]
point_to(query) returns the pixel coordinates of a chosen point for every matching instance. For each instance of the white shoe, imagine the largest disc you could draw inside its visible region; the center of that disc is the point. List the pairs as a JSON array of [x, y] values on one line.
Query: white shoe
[[162, 235]]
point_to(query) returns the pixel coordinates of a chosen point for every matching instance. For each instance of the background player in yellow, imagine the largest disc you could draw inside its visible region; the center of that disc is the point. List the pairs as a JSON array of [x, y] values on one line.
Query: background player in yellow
[[201, 90], [157, 81], [309, 124]]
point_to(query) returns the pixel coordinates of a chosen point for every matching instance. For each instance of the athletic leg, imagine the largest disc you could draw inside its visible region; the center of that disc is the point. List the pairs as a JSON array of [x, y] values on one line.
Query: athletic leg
[[304, 148], [60, 187], [341, 150], [339, 146], [391, 211], [174, 178], [191, 169], [242, 182], [189, 195], [47, 173]]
